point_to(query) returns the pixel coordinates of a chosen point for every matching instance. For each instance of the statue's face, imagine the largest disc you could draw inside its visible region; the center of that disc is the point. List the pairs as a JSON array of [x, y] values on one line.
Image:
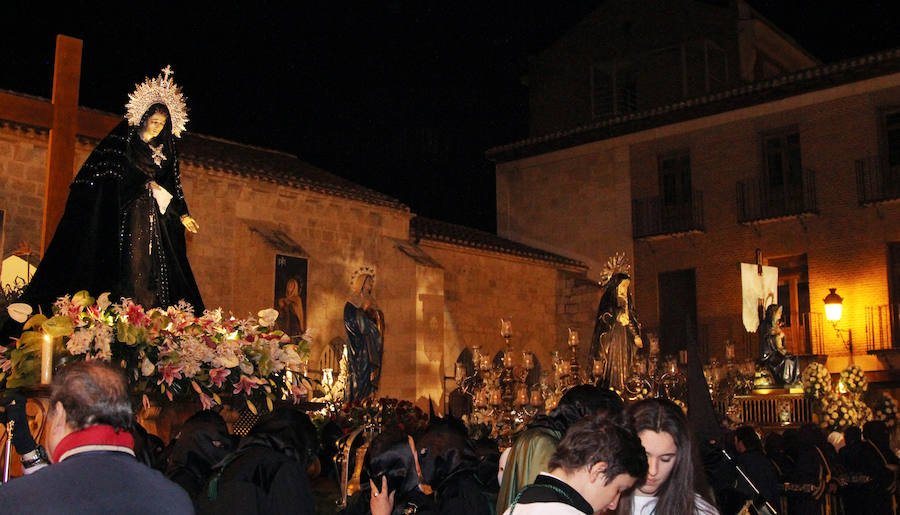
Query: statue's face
[[368, 284], [154, 126], [622, 291]]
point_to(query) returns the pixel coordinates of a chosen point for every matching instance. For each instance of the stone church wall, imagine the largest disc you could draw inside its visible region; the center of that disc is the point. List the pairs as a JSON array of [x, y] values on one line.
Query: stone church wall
[[481, 287]]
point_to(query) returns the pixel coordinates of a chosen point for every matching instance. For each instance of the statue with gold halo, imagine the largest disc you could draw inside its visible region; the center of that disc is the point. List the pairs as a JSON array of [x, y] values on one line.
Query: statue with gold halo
[[123, 227], [364, 323], [617, 333]]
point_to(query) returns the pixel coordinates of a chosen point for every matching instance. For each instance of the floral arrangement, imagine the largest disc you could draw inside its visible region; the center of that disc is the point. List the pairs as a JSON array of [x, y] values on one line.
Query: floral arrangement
[[885, 409], [816, 380], [383, 412], [166, 352], [854, 379], [842, 411]]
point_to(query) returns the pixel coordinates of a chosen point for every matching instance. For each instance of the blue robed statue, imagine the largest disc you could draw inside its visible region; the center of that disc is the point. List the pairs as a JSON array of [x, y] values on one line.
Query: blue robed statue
[[364, 323]]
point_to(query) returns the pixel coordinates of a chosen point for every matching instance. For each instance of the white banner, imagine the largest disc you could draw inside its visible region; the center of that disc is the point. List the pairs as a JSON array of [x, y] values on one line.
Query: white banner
[[756, 287]]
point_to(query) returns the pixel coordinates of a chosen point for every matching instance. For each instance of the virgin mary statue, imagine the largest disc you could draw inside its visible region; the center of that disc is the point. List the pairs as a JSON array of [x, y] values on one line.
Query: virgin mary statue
[[364, 323], [617, 333], [123, 227]]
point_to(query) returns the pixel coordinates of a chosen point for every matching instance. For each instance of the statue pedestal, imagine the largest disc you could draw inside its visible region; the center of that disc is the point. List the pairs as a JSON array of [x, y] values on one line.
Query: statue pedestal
[[771, 408]]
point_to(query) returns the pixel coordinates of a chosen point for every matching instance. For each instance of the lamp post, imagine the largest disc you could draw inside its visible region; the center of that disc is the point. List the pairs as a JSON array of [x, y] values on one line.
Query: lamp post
[[833, 312]]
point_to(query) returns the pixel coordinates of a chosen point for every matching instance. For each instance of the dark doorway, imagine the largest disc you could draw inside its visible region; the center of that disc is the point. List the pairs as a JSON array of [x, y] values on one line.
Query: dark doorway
[[677, 305], [894, 291]]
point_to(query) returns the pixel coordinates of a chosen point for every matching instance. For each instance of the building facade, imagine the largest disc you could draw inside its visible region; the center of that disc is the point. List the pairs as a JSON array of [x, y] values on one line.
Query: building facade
[[799, 169]]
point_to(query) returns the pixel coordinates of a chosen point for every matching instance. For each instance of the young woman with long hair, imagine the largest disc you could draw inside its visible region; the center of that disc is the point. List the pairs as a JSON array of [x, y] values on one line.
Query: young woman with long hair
[[669, 486]]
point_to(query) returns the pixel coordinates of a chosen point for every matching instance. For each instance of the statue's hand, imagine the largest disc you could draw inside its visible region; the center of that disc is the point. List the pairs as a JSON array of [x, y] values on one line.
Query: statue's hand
[[190, 223], [638, 342]]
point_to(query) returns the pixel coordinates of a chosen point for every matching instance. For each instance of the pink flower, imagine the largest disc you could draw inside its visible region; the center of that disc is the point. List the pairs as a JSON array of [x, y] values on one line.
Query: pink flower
[[169, 373], [207, 401], [136, 316], [217, 376], [246, 385]]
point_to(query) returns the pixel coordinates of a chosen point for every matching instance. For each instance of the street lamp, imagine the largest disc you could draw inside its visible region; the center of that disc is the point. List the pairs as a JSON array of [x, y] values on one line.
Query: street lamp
[[833, 311]]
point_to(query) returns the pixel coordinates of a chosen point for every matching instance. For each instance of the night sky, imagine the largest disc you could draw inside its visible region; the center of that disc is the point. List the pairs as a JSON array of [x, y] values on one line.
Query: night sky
[[401, 96]]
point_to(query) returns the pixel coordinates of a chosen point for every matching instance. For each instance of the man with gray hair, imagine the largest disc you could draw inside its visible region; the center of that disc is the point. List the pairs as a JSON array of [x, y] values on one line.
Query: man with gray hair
[[88, 441]]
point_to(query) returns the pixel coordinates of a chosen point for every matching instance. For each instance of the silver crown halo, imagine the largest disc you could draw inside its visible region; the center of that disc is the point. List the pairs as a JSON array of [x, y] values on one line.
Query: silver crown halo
[[159, 90], [617, 264], [363, 270]]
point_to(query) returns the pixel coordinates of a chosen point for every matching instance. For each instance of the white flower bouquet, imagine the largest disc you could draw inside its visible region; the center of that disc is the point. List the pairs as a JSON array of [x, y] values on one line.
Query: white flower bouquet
[[816, 380], [854, 379]]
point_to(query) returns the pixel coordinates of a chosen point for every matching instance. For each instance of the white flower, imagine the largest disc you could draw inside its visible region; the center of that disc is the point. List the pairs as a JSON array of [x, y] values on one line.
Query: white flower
[[19, 311], [267, 317], [80, 342]]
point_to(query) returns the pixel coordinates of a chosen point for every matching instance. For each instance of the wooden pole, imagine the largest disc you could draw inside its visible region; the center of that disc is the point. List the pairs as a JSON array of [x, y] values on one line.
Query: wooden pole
[[63, 132]]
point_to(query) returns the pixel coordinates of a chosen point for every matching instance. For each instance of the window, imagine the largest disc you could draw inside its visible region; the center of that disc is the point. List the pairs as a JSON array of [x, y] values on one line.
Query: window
[[675, 178], [782, 160], [892, 141], [613, 89], [793, 296], [716, 66]]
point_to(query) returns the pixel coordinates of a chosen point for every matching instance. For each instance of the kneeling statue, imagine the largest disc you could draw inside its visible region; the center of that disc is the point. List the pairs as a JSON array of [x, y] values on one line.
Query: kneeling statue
[[774, 356]]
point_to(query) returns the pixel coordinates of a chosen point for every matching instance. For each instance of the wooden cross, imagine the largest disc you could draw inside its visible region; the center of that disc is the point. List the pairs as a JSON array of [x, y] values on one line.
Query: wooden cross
[[65, 122], [63, 131]]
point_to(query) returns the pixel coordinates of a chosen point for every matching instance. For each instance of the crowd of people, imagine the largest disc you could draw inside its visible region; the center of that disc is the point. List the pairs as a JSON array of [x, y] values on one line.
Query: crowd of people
[[591, 454]]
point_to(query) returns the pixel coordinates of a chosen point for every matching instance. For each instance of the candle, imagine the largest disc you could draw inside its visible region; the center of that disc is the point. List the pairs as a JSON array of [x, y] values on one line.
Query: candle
[[521, 395], [536, 400], [46, 359], [527, 360], [481, 399], [573, 338], [505, 328], [597, 371], [507, 359], [496, 398], [729, 350], [485, 363], [564, 368]]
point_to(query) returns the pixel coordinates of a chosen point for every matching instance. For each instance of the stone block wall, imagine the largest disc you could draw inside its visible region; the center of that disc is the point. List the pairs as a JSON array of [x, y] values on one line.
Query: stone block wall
[[481, 287], [574, 202]]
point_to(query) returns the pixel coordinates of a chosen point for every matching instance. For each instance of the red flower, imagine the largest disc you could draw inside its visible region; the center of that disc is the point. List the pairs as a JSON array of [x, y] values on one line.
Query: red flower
[[136, 316]]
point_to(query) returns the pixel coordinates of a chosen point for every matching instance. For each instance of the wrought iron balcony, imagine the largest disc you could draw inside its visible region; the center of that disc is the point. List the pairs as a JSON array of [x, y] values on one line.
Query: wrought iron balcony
[[757, 200], [876, 180], [880, 320], [653, 217]]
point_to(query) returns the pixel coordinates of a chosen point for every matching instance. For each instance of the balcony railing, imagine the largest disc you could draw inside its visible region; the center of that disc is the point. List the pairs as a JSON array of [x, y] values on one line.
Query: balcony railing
[[880, 320], [653, 217], [757, 200], [809, 334], [876, 180]]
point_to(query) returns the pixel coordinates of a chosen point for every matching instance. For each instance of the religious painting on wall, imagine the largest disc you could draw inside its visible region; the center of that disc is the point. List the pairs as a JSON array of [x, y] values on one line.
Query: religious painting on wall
[[290, 294]]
